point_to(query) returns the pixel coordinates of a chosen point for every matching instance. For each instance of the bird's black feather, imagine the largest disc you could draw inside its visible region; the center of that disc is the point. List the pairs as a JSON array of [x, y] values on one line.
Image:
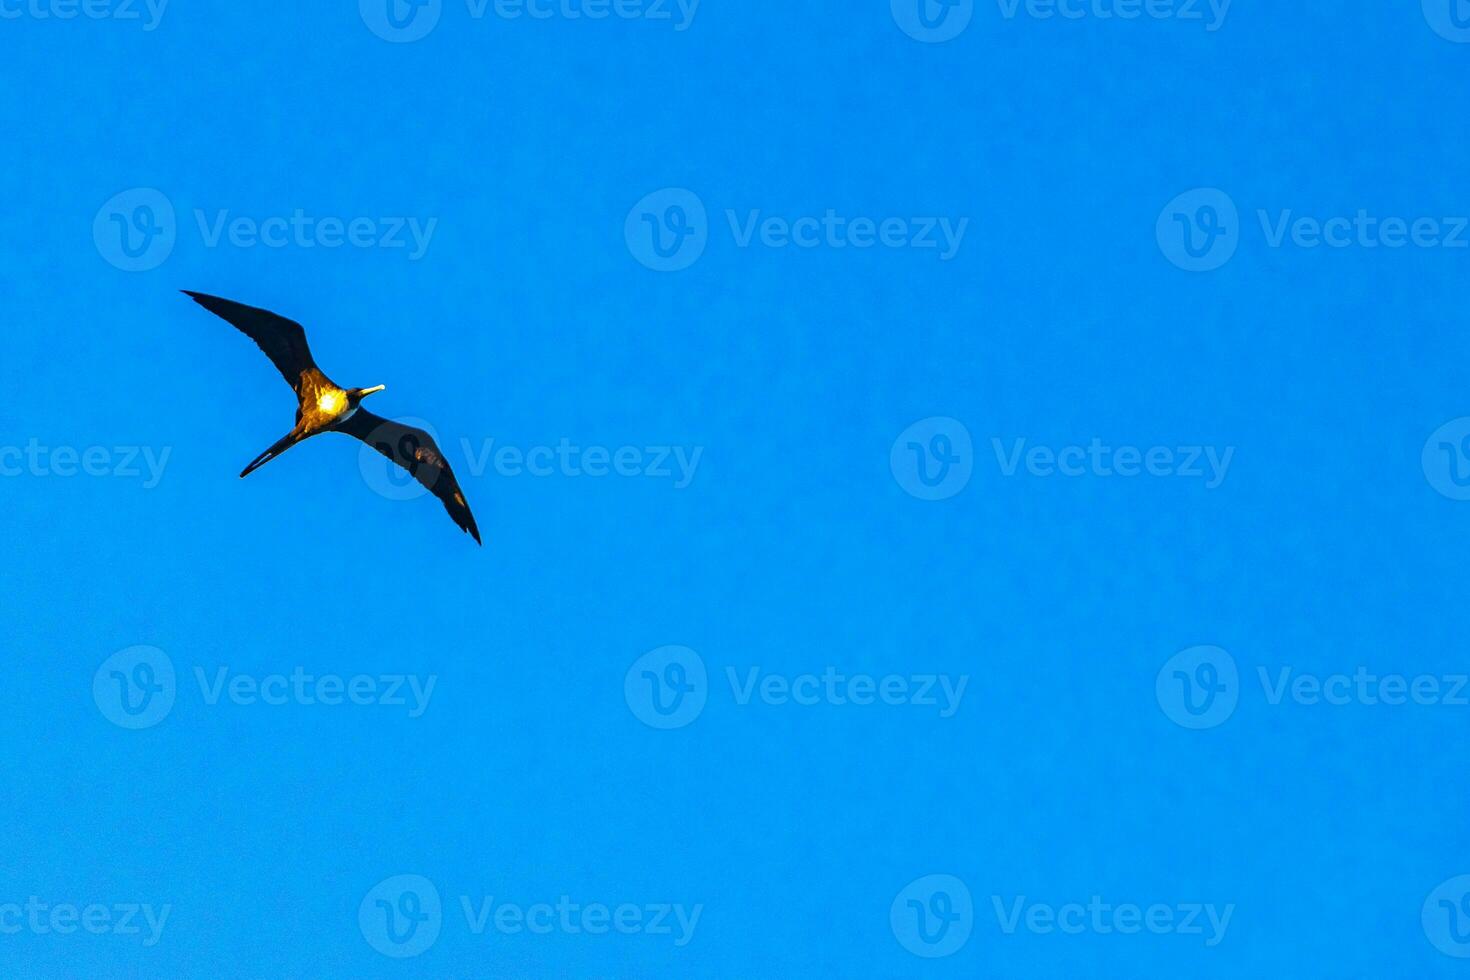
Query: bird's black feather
[[282, 340], [415, 451]]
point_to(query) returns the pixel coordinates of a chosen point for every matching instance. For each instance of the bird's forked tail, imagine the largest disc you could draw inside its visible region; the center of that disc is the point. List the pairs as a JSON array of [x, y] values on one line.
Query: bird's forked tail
[[286, 442]]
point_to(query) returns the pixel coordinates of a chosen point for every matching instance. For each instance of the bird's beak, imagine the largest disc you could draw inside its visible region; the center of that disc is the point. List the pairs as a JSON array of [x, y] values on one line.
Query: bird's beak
[[374, 390]]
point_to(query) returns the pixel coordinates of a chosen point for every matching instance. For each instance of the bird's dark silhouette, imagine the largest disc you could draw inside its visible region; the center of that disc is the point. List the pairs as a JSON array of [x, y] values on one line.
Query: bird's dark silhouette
[[327, 407]]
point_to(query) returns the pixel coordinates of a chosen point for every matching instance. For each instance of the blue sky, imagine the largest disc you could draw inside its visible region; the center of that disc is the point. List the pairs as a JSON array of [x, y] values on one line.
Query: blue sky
[[967, 491]]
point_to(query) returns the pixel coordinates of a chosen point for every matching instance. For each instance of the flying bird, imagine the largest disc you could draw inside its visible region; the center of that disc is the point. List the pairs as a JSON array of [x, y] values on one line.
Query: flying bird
[[327, 407]]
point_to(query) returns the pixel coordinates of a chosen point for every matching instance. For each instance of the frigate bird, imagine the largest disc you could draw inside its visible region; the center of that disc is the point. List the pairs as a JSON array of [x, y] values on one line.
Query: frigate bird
[[328, 407]]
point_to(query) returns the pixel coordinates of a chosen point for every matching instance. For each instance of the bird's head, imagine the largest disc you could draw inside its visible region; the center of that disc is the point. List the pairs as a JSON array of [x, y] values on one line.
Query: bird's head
[[356, 395]]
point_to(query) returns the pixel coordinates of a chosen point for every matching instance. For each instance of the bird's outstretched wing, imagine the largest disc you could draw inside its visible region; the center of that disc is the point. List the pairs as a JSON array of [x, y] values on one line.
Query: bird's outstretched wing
[[414, 450], [283, 341]]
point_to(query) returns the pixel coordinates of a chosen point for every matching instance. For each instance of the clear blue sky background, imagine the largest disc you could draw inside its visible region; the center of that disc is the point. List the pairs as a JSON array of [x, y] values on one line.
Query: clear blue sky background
[[530, 320]]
